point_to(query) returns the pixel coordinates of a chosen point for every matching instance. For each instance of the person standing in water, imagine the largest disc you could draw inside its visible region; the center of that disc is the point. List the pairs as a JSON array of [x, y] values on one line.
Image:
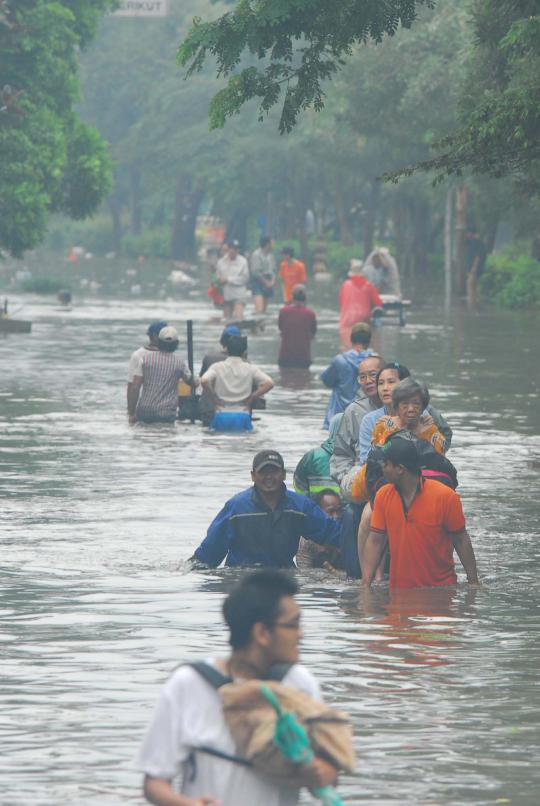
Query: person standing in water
[[342, 374], [233, 274], [188, 738], [262, 267], [298, 325], [421, 520], [358, 298], [153, 395], [292, 272]]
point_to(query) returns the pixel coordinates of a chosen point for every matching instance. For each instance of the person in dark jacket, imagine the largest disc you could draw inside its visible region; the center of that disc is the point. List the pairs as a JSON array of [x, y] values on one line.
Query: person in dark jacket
[[298, 325], [263, 524]]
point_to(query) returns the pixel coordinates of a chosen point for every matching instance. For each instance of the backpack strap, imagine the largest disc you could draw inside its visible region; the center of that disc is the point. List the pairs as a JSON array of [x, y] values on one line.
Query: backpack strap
[[209, 673], [216, 679]]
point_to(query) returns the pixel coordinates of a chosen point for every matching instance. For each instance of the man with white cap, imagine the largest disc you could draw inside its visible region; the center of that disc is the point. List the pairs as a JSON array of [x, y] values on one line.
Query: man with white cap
[[152, 395]]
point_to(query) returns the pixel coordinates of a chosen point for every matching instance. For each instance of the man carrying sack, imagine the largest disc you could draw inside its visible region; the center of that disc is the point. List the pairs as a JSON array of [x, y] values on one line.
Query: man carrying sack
[[203, 705]]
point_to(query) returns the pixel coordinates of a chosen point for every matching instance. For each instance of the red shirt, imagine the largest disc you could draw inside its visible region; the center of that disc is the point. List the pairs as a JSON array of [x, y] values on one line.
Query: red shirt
[[420, 540], [298, 325]]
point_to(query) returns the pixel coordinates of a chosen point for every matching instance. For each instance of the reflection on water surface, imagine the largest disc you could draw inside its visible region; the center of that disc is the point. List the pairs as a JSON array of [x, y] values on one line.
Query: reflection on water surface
[[97, 605]]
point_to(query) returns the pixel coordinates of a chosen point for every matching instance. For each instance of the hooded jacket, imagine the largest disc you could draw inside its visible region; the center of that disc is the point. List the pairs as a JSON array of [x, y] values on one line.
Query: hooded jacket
[[312, 474], [342, 378]]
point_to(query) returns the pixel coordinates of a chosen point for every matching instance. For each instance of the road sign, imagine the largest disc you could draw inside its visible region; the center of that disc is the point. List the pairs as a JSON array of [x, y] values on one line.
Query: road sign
[[142, 8]]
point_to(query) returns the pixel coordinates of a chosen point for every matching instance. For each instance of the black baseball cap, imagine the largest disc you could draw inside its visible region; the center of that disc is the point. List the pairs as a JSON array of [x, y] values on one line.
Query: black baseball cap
[[264, 458], [402, 452]]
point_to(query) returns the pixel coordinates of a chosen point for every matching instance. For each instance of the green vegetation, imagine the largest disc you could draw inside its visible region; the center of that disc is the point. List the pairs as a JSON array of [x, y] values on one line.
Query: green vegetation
[[512, 280], [44, 285], [50, 160]]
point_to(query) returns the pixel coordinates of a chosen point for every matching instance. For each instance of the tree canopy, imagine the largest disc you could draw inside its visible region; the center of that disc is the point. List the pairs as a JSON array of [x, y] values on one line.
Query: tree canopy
[[299, 44], [50, 160]]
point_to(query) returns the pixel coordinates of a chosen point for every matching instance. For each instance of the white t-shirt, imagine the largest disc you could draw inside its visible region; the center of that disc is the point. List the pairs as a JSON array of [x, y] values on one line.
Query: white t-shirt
[[233, 381], [135, 362], [189, 714], [234, 275]]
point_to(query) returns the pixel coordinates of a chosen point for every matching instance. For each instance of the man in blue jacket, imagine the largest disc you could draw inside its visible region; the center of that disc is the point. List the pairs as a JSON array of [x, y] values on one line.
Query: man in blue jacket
[[263, 524], [342, 374]]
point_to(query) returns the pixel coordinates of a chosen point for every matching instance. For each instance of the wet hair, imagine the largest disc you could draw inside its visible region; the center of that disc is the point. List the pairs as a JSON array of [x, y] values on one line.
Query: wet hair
[[402, 371], [264, 240], [236, 345], [361, 337], [255, 599], [406, 389], [318, 497], [288, 250]]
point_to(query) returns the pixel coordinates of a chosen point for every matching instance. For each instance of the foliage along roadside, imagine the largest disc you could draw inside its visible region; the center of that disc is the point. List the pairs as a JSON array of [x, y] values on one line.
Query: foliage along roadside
[[51, 160], [512, 280]]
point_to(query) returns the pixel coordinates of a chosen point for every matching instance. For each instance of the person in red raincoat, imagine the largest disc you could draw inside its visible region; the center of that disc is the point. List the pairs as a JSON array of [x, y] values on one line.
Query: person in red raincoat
[[357, 299]]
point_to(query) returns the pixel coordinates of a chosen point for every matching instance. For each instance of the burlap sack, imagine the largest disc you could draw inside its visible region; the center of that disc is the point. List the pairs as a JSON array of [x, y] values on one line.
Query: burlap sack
[[251, 720]]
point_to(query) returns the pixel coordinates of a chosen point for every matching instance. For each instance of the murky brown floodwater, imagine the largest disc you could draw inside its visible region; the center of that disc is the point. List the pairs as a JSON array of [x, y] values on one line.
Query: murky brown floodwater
[[97, 607]]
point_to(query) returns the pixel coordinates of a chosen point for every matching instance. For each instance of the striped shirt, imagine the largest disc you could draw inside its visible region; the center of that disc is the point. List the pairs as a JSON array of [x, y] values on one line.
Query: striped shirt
[[160, 372]]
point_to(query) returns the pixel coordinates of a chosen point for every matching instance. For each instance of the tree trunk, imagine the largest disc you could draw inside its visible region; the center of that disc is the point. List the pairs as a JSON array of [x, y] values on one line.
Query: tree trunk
[[114, 209], [371, 216], [135, 200], [186, 207], [448, 249], [461, 226], [341, 213]]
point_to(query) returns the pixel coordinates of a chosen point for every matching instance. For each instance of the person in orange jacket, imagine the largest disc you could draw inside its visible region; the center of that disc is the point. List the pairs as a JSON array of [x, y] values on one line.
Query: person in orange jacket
[[292, 272]]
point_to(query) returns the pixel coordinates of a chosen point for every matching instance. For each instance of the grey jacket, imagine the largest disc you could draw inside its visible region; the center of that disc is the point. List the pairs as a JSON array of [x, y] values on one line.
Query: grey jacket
[[343, 462]]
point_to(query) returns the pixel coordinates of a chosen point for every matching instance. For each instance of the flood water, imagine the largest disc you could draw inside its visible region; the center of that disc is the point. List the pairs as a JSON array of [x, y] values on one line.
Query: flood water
[[98, 518]]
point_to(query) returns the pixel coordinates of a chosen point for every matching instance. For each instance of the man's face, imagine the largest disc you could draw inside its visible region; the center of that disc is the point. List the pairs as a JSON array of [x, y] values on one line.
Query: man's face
[[268, 478], [285, 633], [331, 504], [367, 375], [392, 472], [233, 252]]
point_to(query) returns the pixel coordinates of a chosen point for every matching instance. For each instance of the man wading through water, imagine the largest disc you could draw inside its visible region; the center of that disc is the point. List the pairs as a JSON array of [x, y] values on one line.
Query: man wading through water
[[263, 618]]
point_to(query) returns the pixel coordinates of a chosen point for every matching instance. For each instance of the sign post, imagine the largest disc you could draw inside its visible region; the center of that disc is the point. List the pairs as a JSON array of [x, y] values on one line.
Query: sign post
[[142, 8]]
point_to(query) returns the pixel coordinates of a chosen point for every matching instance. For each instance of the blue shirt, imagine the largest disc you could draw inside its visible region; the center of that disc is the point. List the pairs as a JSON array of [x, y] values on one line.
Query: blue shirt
[[248, 532], [342, 377]]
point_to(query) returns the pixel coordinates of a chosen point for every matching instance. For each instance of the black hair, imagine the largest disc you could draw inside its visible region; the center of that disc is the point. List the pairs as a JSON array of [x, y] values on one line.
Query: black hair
[[288, 250], [402, 371], [361, 337], [255, 599], [318, 497], [264, 240], [236, 345], [168, 346]]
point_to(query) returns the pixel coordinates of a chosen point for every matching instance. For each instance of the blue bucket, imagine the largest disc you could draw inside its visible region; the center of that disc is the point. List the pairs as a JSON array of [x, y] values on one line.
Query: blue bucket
[[231, 421]]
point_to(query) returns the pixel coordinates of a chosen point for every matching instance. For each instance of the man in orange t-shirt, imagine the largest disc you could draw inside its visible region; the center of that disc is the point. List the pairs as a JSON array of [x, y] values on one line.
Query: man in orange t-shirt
[[423, 522], [292, 272]]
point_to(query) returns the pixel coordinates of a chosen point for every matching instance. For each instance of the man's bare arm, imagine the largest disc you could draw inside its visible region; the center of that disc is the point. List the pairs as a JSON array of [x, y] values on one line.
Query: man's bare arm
[[261, 390], [160, 792], [371, 555], [463, 546], [133, 391]]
